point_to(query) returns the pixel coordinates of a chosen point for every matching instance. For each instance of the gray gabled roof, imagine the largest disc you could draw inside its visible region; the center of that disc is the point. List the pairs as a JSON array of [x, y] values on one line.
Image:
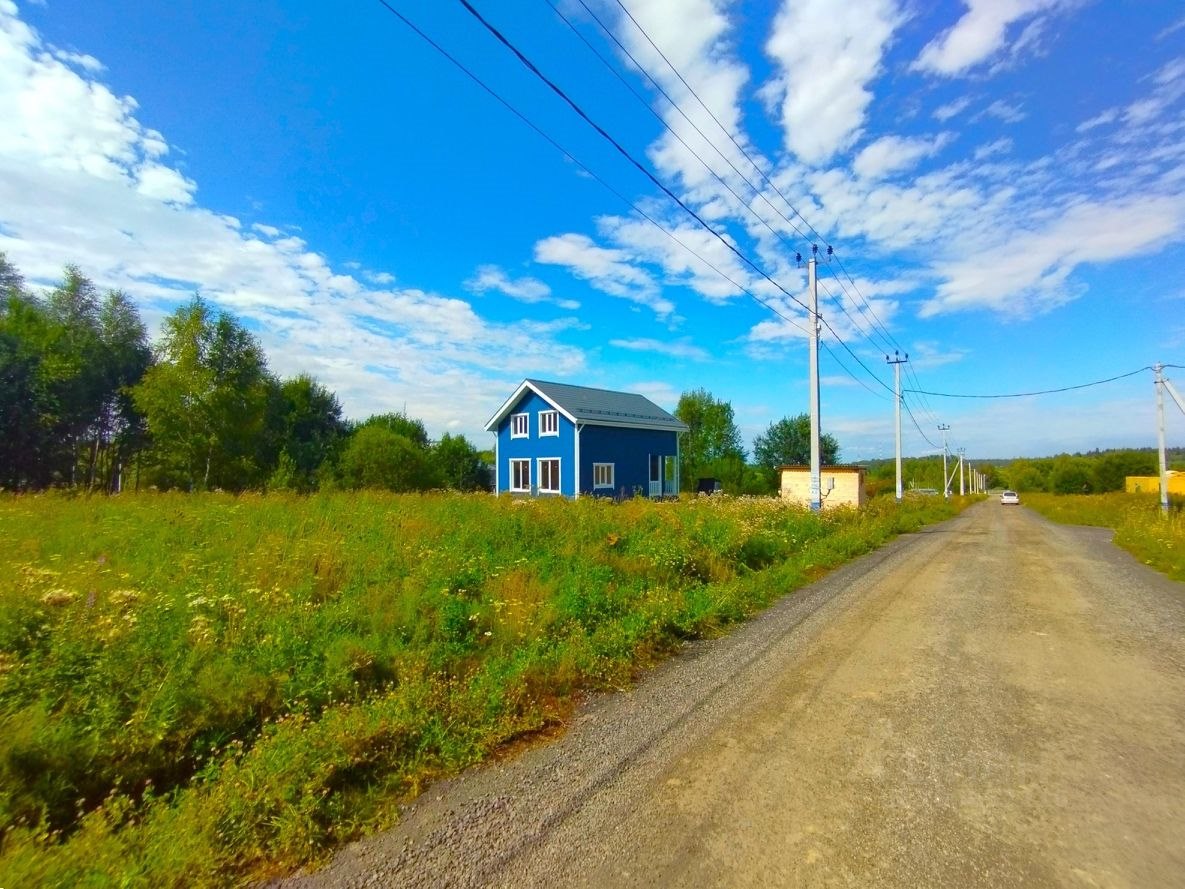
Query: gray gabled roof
[[598, 407]]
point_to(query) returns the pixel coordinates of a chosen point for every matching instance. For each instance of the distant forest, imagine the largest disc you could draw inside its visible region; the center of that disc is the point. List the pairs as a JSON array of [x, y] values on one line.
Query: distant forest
[[1095, 472]]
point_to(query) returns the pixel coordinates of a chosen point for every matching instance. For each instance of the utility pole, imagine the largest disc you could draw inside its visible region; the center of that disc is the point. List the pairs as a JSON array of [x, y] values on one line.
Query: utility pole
[[816, 502], [897, 361], [1164, 469], [944, 428], [962, 491]]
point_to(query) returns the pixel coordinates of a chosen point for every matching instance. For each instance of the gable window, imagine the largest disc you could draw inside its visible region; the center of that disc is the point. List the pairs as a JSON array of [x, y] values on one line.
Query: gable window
[[602, 475], [549, 423], [520, 475], [549, 475], [520, 425]]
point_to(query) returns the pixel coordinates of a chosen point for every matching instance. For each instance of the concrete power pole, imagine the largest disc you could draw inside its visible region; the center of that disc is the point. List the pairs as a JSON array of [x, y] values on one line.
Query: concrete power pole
[[897, 361], [944, 428], [962, 490], [816, 502], [1164, 469]]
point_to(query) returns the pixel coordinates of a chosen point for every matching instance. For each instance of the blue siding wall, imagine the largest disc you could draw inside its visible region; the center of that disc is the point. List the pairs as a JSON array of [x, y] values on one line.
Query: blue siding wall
[[629, 450], [533, 447]]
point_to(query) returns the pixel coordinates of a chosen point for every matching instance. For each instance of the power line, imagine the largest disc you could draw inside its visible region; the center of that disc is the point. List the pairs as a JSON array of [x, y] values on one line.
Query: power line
[[675, 105], [559, 91], [720, 153], [723, 128], [916, 425], [1039, 392], [506, 104]]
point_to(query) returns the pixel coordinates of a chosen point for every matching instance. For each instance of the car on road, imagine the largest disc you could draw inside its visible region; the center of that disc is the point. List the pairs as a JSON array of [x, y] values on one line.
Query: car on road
[[1010, 498]]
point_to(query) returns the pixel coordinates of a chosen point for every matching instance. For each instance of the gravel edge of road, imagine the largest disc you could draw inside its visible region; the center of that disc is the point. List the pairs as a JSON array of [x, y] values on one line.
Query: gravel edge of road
[[473, 818]]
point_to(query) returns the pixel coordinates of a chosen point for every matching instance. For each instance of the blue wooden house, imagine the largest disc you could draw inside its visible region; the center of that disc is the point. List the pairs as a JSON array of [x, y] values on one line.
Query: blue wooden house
[[559, 440]]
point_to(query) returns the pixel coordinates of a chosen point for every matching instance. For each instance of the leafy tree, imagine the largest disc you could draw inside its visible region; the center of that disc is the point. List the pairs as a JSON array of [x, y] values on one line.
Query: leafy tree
[[712, 445], [311, 430], [205, 401], [1112, 469], [788, 443], [23, 412], [125, 356], [1071, 475], [376, 457], [458, 464], [10, 278], [400, 424]]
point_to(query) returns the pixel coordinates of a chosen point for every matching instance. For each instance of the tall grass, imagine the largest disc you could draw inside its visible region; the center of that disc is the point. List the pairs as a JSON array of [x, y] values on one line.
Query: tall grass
[[198, 688], [1156, 539]]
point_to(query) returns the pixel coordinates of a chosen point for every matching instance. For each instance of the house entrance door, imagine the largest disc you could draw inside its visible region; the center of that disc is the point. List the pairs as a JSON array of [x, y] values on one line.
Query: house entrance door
[[655, 475]]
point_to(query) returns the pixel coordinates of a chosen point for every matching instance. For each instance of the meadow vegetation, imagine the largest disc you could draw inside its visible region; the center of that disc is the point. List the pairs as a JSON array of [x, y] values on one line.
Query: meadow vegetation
[[199, 689], [1156, 539]]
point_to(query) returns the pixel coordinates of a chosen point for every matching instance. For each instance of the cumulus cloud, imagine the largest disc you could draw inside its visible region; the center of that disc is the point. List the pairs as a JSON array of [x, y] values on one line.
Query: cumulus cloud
[[892, 154], [826, 64], [982, 33], [525, 289], [610, 270], [1029, 272], [82, 180]]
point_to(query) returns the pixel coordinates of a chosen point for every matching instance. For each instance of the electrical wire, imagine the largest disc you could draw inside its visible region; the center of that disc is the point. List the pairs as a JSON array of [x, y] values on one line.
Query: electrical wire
[[1039, 392], [522, 117], [905, 405], [723, 128], [555, 88]]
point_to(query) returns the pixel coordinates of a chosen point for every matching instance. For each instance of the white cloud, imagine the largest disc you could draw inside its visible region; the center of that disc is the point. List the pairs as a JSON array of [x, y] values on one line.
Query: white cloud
[[943, 113], [981, 33], [1004, 111], [693, 36], [826, 64], [525, 289], [672, 348], [892, 154], [164, 184], [83, 181], [1029, 271], [609, 270], [1002, 145]]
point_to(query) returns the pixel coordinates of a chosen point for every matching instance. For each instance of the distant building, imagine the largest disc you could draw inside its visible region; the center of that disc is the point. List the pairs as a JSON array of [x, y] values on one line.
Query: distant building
[[838, 485], [1150, 484], [554, 439]]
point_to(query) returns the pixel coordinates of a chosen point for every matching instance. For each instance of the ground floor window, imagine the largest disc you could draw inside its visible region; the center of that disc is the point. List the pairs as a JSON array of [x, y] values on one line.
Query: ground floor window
[[602, 475], [520, 475], [549, 475]]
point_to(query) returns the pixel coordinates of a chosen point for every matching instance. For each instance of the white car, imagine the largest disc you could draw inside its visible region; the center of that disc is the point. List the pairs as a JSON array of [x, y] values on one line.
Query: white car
[[1010, 498]]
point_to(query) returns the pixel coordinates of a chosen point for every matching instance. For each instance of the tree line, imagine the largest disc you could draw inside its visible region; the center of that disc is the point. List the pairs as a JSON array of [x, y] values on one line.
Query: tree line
[[87, 403]]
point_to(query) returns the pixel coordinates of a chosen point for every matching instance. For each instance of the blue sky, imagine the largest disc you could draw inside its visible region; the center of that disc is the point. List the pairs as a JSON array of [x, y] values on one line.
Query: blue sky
[[1004, 182]]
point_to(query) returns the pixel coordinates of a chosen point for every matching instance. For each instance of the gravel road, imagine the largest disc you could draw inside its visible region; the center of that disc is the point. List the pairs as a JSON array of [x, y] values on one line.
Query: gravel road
[[995, 701]]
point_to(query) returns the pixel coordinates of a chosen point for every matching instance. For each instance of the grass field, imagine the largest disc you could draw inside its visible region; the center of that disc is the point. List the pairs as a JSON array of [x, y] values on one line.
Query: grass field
[[199, 689], [1155, 539]]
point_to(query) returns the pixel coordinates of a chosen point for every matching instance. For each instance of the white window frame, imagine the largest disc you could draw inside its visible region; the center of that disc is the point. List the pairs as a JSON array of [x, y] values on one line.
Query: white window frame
[[525, 423], [539, 474], [513, 479], [547, 418], [612, 473]]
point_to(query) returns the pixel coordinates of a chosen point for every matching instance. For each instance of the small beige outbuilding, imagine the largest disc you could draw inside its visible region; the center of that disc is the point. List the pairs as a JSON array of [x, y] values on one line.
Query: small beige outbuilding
[[839, 485]]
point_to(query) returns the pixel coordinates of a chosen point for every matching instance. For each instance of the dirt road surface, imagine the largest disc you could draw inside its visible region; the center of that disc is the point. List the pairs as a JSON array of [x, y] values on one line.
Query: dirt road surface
[[995, 701]]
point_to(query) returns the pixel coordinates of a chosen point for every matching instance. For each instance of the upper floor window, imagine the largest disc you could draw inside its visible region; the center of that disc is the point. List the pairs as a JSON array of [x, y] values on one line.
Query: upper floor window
[[520, 425], [549, 422]]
